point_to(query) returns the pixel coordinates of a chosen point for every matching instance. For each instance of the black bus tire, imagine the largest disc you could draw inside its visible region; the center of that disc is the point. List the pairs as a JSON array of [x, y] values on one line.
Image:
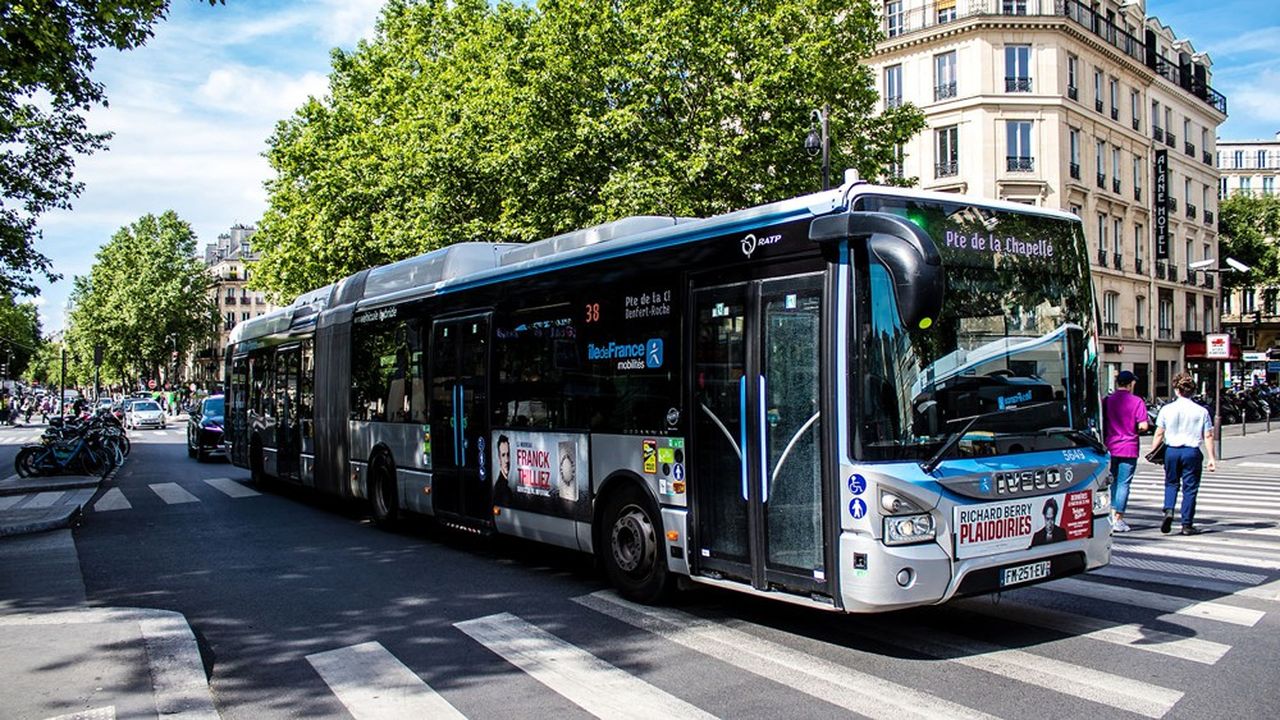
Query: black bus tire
[[632, 547], [383, 496]]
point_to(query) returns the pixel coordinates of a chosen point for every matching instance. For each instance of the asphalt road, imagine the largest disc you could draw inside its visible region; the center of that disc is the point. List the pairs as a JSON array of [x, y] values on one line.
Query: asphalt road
[[304, 609]]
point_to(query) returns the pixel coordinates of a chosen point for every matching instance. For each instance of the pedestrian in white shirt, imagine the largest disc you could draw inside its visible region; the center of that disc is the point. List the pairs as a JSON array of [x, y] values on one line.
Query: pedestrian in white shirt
[[1182, 425]]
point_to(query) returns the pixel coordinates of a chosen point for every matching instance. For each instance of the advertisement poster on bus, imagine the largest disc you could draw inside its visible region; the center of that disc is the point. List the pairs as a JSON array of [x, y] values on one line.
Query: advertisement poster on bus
[[994, 528], [539, 464]]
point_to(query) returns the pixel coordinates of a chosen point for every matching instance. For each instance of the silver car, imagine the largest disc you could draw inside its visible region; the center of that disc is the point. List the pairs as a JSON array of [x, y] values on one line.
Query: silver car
[[144, 414]]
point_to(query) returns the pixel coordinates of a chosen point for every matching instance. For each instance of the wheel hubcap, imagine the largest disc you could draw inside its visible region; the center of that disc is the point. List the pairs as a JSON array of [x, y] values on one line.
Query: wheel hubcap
[[633, 540]]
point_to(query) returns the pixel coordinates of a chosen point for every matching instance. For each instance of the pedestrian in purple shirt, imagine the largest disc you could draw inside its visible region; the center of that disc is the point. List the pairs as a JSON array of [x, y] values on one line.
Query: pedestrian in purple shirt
[[1124, 415]]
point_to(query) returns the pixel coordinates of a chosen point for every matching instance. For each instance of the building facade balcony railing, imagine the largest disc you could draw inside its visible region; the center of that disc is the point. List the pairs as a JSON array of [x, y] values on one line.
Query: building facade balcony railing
[[1170, 139], [1173, 204], [1075, 170], [1173, 273], [1188, 148], [1097, 104], [1020, 163], [1115, 185], [1158, 133], [941, 12], [1137, 193], [1208, 217], [1208, 281], [1102, 181], [1073, 92], [946, 169], [1191, 211], [1140, 331], [1166, 333], [1017, 84], [1206, 157], [1102, 258], [945, 91], [1111, 328], [1117, 261], [892, 101], [1161, 269], [1115, 113], [1191, 279], [1138, 265], [259, 301]]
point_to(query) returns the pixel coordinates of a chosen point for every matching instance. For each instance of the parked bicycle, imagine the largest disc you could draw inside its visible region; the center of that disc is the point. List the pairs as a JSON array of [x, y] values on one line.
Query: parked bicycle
[[90, 446]]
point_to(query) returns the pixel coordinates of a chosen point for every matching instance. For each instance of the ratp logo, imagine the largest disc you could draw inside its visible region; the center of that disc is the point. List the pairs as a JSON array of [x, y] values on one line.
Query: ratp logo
[[748, 245]]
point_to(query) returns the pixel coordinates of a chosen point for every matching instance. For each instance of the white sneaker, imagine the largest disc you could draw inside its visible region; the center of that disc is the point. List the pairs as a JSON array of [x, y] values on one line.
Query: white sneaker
[[1121, 526]]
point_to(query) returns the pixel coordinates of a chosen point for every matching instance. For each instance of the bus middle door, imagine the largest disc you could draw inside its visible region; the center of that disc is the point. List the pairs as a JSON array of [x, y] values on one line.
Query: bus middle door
[[459, 412]]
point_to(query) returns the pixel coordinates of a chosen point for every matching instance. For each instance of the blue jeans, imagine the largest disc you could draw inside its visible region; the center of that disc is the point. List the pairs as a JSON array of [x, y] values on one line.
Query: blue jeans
[[1121, 473], [1182, 466]]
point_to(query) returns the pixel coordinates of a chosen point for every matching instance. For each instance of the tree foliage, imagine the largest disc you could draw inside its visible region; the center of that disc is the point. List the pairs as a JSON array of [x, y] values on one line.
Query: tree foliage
[[19, 335], [146, 295], [1247, 231], [47, 50], [462, 121]]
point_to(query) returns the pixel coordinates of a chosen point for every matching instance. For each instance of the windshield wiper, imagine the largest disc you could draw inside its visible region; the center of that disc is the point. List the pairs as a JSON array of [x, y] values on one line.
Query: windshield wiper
[[932, 463]]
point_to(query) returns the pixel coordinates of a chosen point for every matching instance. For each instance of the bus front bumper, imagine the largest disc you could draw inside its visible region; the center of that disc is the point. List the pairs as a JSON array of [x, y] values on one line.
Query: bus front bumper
[[875, 577]]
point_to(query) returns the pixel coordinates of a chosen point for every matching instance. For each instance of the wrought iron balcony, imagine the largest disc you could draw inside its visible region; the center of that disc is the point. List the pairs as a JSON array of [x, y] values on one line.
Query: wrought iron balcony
[[892, 101], [1137, 193], [946, 169], [1173, 204], [1020, 163], [1117, 261], [1141, 331], [1161, 269], [1188, 148], [1073, 92], [1075, 170], [1137, 265], [944, 91], [1097, 104], [1115, 113], [1173, 273], [1137, 124], [1170, 139], [1157, 132], [1115, 185], [1102, 258], [1017, 84], [1206, 157], [1208, 217], [1102, 181], [1208, 281], [1111, 328], [1191, 211]]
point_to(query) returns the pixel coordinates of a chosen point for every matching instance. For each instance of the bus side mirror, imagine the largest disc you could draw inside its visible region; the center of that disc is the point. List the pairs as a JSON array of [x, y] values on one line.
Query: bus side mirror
[[904, 249]]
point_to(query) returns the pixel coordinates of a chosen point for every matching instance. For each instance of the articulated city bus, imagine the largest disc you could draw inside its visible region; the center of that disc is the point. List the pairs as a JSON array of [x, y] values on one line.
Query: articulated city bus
[[864, 399]]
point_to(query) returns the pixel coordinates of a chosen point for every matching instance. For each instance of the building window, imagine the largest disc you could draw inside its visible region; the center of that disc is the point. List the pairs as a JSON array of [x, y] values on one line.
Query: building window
[[893, 18], [1227, 302], [1073, 77], [1237, 159], [1097, 90], [946, 151], [1018, 142], [896, 169], [946, 11], [1207, 316], [893, 86], [1140, 314], [1250, 300], [1157, 131], [1246, 185], [1111, 313], [1191, 322], [944, 76], [1117, 240], [1017, 68], [1135, 109], [1100, 162], [1102, 239], [1139, 247], [1262, 159], [1268, 185], [1166, 318], [1115, 99], [1137, 177], [1222, 188], [1075, 153], [1115, 169], [1013, 7]]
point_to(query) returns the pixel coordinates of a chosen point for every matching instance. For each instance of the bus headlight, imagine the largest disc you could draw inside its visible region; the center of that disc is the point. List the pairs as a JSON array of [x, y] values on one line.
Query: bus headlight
[[1102, 502], [894, 504], [908, 529]]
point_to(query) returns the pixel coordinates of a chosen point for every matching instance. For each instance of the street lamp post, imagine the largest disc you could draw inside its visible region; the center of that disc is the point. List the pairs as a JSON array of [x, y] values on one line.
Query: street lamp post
[[1207, 265], [820, 142]]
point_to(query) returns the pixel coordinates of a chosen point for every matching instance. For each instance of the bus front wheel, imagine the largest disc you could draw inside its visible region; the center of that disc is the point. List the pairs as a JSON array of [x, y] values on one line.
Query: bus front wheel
[[634, 555]]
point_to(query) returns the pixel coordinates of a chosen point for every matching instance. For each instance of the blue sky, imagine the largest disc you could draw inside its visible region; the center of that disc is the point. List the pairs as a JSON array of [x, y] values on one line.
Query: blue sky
[[193, 108]]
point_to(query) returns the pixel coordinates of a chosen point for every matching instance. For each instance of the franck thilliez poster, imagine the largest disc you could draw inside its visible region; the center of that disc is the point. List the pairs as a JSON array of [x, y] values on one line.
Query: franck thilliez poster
[[993, 528], [542, 464]]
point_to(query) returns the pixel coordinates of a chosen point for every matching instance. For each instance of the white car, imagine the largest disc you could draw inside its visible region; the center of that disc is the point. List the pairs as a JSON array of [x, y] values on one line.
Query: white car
[[144, 414]]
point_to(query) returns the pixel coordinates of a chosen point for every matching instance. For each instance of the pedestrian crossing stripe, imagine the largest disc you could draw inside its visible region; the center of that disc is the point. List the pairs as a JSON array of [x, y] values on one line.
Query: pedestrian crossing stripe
[[1208, 610], [373, 685]]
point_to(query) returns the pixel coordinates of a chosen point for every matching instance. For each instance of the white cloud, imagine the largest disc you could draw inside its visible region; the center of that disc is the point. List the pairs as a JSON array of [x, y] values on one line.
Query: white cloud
[[259, 91]]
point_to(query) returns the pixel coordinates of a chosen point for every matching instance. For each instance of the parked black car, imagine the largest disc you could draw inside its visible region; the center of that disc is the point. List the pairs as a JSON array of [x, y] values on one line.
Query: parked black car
[[205, 428]]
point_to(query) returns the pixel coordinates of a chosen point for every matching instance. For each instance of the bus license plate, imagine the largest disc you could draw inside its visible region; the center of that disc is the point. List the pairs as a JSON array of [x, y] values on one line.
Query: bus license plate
[[1025, 573]]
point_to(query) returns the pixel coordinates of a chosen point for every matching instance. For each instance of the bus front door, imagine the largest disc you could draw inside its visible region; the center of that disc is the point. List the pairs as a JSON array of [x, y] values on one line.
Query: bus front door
[[459, 412], [756, 473], [288, 440]]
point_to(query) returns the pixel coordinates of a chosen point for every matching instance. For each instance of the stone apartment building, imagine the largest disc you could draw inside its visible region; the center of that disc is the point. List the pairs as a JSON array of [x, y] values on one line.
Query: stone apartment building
[[1252, 315], [1095, 108], [230, 260]]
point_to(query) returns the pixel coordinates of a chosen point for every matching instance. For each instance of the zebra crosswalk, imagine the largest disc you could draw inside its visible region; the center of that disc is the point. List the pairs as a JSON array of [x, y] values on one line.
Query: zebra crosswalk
[[32, 435], [1179, 604], [170, 493]]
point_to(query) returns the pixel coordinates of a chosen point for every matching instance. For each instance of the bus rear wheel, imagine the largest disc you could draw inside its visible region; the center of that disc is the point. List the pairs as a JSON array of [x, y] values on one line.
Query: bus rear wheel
[[383, 496], [635, 558]]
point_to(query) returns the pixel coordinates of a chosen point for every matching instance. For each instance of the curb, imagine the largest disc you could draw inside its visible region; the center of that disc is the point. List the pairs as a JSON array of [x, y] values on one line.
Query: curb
[[18, 522], [178, 681], [63, 482]]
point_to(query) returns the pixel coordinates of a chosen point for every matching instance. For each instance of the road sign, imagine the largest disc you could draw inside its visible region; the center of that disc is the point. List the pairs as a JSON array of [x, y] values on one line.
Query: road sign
[[1254, 357], [1217, 346], [151, 384]]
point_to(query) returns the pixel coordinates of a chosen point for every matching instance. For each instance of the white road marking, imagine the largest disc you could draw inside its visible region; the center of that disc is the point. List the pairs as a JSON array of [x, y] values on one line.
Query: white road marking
[[835, 683], [44, 499], [230, 487], [173, 494], [8, 501], [102, 713], [580, 677], [1212, 540], [1209, 610], [1129, 635], [112, 499], [1169, 550], [1275, 466], [373, 685]]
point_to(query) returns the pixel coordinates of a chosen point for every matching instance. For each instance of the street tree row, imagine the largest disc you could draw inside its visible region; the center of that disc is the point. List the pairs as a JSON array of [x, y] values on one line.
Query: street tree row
[[465, 121]]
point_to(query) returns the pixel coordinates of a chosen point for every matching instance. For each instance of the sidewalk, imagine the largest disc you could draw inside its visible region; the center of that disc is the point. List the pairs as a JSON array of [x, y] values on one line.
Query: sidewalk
[[61, 658]]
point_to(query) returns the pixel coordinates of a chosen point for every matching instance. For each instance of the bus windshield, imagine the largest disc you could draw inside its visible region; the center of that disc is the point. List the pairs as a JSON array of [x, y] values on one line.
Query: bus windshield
[[1015, 332]]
